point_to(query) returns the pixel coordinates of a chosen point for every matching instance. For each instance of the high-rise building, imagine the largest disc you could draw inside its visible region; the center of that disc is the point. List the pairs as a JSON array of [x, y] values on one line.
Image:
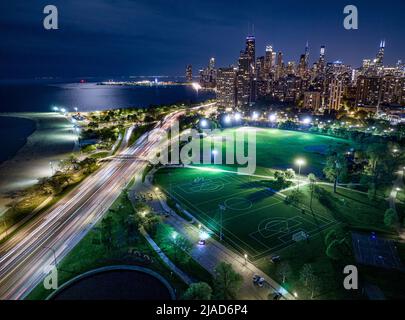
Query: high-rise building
[[368, 91], [243, 83], [268, 62], [260, 68], [279, 66], [312, 100], [307, 54], [251, 53], [189, 73], [226, 87], [208, 75], [336, 93], [380, 55], [392, 89], [302, 66], [322, 60]]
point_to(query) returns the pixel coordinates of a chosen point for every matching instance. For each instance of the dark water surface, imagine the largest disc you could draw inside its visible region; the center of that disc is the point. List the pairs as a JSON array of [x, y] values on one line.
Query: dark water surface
[[13, 135], [40, 97]]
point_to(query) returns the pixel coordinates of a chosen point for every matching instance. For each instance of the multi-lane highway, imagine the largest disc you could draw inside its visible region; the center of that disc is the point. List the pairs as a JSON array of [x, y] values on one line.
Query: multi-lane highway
[[26, 256]]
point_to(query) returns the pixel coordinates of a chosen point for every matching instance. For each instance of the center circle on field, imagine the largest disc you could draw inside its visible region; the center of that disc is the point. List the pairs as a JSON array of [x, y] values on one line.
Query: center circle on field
[[211, 186], [238, 204]]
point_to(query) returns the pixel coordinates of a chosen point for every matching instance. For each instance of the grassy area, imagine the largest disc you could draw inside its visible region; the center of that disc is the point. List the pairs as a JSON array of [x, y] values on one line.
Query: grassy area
[[100, 155], [260, 222], [34, 199], [90, 253], [138, 131], [278, 149], [182, 259]]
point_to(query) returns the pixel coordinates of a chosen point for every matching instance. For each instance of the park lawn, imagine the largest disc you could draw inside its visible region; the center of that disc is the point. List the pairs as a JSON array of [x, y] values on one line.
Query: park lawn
[[278, 149], [100, 155], [90, 254]]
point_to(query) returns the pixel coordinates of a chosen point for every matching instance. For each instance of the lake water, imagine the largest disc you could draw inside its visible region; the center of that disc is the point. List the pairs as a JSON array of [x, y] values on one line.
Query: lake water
[[34, 97], [13, 135], [41, 97]]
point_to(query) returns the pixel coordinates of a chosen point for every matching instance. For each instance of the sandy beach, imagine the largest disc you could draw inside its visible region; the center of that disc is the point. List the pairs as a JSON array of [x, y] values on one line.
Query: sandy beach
[[53, 140]]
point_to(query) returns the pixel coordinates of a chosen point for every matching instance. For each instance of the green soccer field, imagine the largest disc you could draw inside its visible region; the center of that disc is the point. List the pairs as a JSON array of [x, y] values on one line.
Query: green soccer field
[[255, 219], [278, 149]]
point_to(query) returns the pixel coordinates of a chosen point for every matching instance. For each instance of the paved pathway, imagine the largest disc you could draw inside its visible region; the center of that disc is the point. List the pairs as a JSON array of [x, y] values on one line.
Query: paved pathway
[[398, 184]]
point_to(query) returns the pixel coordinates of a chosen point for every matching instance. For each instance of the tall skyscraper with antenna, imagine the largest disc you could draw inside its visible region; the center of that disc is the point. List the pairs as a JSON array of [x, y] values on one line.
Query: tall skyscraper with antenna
[[380, 55]]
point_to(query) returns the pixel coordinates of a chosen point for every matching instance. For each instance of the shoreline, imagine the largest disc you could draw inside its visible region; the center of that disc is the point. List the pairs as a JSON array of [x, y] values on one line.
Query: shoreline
[[52, 140]]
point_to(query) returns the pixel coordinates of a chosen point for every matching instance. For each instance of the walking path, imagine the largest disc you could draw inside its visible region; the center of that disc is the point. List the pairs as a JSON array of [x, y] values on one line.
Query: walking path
[[166, 260], [398, 185]]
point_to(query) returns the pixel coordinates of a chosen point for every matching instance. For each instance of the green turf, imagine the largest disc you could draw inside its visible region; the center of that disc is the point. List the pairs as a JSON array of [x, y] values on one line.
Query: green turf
[[278, 149], [257, 221]]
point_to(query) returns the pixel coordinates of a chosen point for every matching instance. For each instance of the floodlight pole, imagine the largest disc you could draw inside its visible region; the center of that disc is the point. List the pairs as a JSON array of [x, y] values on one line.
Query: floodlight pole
[[221, 209], [299, 175]]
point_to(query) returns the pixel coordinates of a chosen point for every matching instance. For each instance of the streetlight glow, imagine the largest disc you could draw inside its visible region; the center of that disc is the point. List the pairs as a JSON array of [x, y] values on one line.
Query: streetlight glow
[[273, 117], [300, 162], [203, 123], [237, 116], [227, 119]]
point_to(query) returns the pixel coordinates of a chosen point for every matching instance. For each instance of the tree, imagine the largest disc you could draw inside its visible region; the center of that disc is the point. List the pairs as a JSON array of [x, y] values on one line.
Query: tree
[[226, 282], [337, 249], [181, 244], [313, 285], [293, 198], [198, 291], [107, 232], [312, 181], [335, 167], [131, 224], [284, 270], [306, 273], [289, 174], [310, 280], [391, 218], [330, 236]]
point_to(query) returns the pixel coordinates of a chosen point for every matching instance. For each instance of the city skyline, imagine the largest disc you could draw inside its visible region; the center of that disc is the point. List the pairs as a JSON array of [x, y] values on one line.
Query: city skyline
[[172, 36]]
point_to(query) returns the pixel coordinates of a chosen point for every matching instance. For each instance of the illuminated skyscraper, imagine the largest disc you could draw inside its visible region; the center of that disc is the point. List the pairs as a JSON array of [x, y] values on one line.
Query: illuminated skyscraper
[[336, 93], [268, 62], [279, 65], [226, 87], [251, 53], [380, 55], [189, 73], [322, 60]]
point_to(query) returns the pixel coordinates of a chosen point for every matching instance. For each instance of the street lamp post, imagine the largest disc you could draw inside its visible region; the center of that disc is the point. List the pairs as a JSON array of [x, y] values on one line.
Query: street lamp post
[[299, 162], [51, 164], [222, 208], [215, 153], [246, 257]]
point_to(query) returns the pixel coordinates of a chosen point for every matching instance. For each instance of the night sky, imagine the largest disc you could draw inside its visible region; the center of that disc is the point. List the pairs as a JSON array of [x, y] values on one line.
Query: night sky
[[153, 37]]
